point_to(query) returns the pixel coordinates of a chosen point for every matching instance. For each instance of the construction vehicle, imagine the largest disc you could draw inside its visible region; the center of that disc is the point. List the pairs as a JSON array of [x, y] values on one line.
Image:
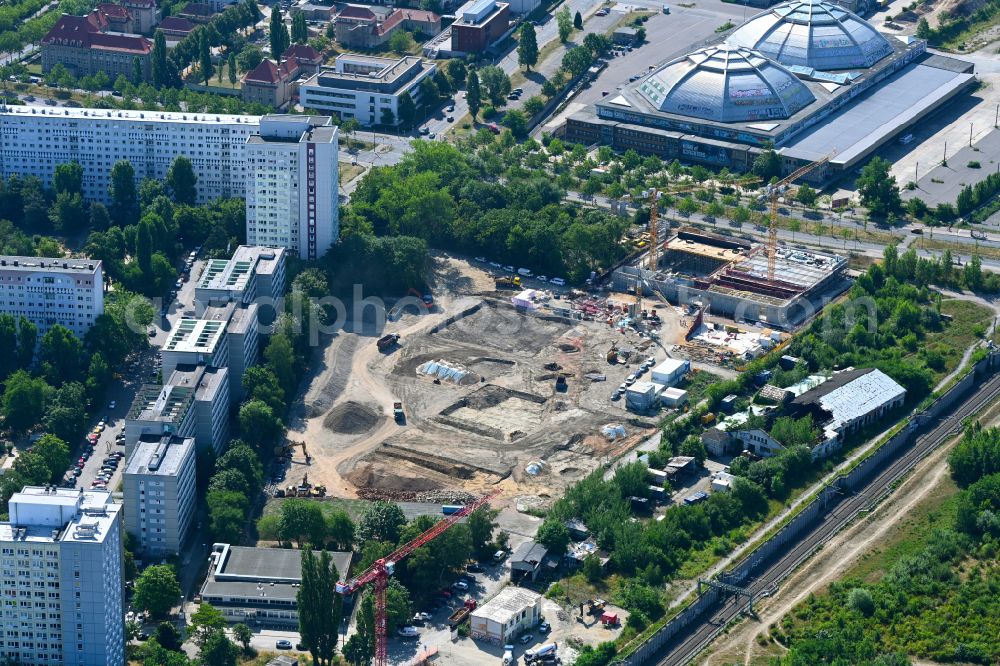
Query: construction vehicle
[[504, 282], [285, 450], [595, 606], [613, 354], [379, 572], [398, 413], [462, 614], [304, 489], [508, 655], [541, 653], [387, 342]]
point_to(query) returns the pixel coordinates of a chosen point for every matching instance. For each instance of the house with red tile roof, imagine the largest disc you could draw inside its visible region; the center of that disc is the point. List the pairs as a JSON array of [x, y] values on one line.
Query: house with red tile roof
[[306, 57], [271, 84], [87, 44], [361, 28], [175, 28]]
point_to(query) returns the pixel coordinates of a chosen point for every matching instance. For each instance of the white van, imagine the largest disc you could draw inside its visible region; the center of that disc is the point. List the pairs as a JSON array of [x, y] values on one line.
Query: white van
[[558, 281], [524, 272]]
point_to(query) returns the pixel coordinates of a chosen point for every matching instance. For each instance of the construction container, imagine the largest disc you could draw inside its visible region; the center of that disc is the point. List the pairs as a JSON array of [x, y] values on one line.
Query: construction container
[[640, 396], [671, 371], [658, 476], [673, 397]]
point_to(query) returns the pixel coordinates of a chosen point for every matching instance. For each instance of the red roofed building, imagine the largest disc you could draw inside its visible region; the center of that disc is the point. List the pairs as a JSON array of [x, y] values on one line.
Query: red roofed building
[[306, 57], [175, 28], [144, 13], [86, 45], [270, 84], [360, 27]]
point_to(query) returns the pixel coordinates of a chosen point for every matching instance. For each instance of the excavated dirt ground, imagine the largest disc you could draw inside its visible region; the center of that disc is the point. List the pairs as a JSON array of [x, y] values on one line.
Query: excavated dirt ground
[[352, 418]]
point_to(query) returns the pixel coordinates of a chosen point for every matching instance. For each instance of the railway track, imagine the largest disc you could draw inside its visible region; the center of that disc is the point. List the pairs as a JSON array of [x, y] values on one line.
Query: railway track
[[689, 643]]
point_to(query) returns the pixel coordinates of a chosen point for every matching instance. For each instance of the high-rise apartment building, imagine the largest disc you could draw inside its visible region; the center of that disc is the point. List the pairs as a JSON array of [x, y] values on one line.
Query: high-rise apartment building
[[52, 291], [160, 493], [292, 181], [291, 192], [61, 560]]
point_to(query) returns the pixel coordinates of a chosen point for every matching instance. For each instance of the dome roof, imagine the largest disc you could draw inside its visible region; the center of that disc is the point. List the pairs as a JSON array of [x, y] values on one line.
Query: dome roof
[[812, 33], [727, 84]]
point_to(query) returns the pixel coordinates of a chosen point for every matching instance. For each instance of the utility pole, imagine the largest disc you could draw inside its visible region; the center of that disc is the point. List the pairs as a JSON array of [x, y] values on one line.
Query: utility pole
[[916, 172], [945, 160], [970, 135]]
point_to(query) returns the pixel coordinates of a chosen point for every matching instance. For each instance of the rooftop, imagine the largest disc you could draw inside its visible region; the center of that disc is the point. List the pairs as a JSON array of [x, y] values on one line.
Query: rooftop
[[195, 336], [510, 601], [144, 116], [47, 514], [851, 394], [160, 456], [164, 404], [529, 552], [203, 380], [30, 264]]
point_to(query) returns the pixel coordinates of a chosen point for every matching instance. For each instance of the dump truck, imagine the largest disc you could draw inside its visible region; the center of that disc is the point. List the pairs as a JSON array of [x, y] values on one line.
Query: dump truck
[[504, 282], [387, 342], [540, 653], [462, 614], [397, 412], [508, 655]]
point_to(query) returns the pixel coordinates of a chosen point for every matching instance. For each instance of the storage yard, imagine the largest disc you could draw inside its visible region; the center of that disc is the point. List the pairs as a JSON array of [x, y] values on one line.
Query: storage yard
[[491, 393]]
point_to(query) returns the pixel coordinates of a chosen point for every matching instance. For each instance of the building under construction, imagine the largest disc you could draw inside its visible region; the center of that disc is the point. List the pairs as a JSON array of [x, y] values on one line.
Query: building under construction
[[729, 276]]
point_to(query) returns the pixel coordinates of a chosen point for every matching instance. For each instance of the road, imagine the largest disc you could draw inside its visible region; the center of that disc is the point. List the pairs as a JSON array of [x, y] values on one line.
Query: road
[[694, 638]]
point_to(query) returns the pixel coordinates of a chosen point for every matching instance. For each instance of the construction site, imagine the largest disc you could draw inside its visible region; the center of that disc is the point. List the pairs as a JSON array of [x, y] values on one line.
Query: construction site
[[732, 277]]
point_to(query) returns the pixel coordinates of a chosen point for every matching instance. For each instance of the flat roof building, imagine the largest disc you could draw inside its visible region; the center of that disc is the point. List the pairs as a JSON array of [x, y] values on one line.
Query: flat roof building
[[480, 26], [259, 585], [159, 493], [512, 612], [365, 87], [69, 292], [73, 540], [253, 272], [805, 76]]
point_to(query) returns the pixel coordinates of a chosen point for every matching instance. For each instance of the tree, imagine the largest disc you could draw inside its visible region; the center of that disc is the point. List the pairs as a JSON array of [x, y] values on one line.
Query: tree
[[923, 29], [320, 607], [168, 636], [243, 635], [242, 459], [226, 513], [157, 590], [278, 33], [300, 31], [231, 68], [182, 180], [400, 42], [472, 97], [564, 22], [860, 600], [578, 20], [495, 82], [280, 357], [877, 188], [159, 60], [218, 650], [205, 57], [767, 165], [407, 110], [124, 198], [339, 530], [54, 452], [302, 522], [592, 569], [554, 535], [249, 58], [261, 427], [62, 354], [481, 524], [456, 72], [388, 118], [381, 521], [27, 335], [137, 73], [260, 383], [68, 178], [598, 45], [517, 123], [527, 47], [806, 196], [68, 214], [205, 621], [577, 61], [24, 400]]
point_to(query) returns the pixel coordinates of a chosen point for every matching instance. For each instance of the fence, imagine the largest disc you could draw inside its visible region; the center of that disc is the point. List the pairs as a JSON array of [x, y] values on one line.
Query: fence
[[809, 514]]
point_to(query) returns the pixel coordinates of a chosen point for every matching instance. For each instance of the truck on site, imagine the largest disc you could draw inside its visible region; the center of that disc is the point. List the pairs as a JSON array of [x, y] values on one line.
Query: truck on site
[[387, 342], [504, 282], [542, 653], [508, 655], [397, 412], [462, 614], [449, 509]]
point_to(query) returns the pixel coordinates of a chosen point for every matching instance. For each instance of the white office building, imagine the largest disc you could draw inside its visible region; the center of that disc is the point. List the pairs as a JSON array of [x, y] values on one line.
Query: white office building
[[292, 198], [61, 579], [52, 291], [366, 87], [297, 213], [253, 272], [159, 493]]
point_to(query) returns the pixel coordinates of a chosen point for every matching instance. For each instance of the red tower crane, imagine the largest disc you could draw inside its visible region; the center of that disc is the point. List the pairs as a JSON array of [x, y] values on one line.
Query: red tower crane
[[380, 571]]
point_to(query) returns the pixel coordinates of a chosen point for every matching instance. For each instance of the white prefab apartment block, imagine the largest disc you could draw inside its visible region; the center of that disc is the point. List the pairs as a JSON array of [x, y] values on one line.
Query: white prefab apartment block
[[510, 613], [365, 87], [253, 272], [159, 493], [61, 560], [35, 140], [47, 292], [298, 213], [292, 196]]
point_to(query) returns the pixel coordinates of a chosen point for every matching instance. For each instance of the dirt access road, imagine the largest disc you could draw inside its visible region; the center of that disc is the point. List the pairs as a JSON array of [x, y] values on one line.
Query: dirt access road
[[837, 557], [345, 376]]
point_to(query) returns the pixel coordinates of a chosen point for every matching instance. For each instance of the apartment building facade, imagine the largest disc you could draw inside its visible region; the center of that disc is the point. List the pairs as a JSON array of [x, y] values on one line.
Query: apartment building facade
[[61, 561], [85, 45], [292, 198], [35, 140], [159, 493], [47, 292], [253, 272]]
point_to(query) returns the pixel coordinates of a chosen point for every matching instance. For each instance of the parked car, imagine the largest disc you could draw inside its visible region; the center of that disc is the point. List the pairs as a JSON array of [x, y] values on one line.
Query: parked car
[[473, 567], [461, 586], [283, 644], [524, 640]]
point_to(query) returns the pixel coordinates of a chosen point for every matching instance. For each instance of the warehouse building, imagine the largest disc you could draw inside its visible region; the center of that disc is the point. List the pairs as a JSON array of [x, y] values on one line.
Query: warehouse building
[[806, 76], [512, 612]]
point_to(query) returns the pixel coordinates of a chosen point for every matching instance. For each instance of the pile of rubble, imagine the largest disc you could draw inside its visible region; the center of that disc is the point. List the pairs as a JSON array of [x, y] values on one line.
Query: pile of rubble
[[431, 496]]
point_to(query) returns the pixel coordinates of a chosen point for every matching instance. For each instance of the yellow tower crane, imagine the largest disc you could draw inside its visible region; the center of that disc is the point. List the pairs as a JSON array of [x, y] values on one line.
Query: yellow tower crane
[[774, 191]]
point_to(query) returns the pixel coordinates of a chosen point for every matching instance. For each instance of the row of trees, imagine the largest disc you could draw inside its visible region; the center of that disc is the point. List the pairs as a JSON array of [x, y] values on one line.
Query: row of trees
[[453, 198]]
